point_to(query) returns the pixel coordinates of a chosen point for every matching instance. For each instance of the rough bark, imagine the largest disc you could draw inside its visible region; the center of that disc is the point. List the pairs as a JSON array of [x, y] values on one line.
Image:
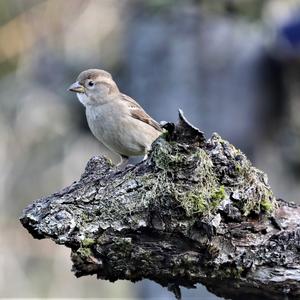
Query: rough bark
[[196, 211]]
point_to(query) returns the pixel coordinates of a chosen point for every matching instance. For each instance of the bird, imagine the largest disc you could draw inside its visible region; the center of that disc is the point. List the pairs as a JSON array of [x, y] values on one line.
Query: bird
[[114, 118]]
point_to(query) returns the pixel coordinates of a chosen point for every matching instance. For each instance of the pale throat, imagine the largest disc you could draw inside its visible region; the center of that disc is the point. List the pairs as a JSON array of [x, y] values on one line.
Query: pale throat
[[83, 98], [102, 98]]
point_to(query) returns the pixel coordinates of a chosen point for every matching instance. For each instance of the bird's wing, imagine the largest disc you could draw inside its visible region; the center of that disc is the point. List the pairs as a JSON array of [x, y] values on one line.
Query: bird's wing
[[138, 113]]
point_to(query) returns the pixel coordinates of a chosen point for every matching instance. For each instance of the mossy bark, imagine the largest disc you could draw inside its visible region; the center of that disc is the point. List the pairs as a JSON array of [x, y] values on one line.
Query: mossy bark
[[196, 211]]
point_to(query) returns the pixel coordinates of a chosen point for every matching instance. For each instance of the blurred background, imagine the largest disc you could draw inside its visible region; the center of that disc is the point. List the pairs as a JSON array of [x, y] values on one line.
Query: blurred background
[[233, 66]]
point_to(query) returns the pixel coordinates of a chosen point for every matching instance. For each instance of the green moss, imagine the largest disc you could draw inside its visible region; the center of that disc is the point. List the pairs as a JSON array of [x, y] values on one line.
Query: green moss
[[88, 242], [237, 174], [200, 196], [256, 196], [241, 167], [199, 178], [208, 193], [84, 252], [266, 205], [194, 202], [157, 186], [203, 200], [219, 194], [167, 156]]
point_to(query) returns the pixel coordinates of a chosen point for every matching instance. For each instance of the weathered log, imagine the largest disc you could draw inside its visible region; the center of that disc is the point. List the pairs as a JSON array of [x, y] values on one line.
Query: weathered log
[[196, 211]]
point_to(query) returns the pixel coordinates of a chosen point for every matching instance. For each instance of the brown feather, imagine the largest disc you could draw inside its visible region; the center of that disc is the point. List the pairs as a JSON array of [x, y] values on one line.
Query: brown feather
[[92, 74], [138, 113]]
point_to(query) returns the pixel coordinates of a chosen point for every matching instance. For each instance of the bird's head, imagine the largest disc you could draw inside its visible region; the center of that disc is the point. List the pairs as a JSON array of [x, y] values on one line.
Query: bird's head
[[94, 87]]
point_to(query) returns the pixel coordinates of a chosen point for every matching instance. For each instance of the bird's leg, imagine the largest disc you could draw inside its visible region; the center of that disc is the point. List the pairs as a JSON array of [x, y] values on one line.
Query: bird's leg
[[123, 163], [146, 153]]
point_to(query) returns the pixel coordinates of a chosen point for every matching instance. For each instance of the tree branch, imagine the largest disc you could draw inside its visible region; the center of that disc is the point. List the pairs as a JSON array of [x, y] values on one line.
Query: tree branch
[[196, 211]]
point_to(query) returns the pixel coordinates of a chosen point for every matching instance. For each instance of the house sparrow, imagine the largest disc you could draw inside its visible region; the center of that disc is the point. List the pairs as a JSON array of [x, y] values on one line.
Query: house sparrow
[[115, 119]]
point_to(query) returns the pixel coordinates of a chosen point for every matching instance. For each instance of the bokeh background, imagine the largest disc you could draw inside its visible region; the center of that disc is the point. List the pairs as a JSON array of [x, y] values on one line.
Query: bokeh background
[[233, 66]]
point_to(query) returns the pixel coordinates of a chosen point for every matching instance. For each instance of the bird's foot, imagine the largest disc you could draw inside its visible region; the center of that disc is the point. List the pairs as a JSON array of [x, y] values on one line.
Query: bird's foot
[[123, 165], [123, 162]]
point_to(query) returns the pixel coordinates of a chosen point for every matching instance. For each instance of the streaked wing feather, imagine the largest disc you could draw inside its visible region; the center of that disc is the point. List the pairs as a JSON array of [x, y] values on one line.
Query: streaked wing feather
[[138, 113], [131, 101]]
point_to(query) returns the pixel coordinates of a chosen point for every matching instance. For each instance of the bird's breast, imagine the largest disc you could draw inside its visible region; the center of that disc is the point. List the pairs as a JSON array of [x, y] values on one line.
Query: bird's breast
[[106, 123], [117, 130], [100, 120]]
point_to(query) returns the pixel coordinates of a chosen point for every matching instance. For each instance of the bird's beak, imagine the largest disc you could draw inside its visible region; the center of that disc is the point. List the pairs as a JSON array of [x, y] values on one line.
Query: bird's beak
[[76, 87]]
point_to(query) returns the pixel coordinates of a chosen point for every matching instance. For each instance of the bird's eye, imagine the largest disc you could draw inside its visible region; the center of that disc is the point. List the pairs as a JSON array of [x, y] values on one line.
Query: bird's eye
[[91, 83]]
